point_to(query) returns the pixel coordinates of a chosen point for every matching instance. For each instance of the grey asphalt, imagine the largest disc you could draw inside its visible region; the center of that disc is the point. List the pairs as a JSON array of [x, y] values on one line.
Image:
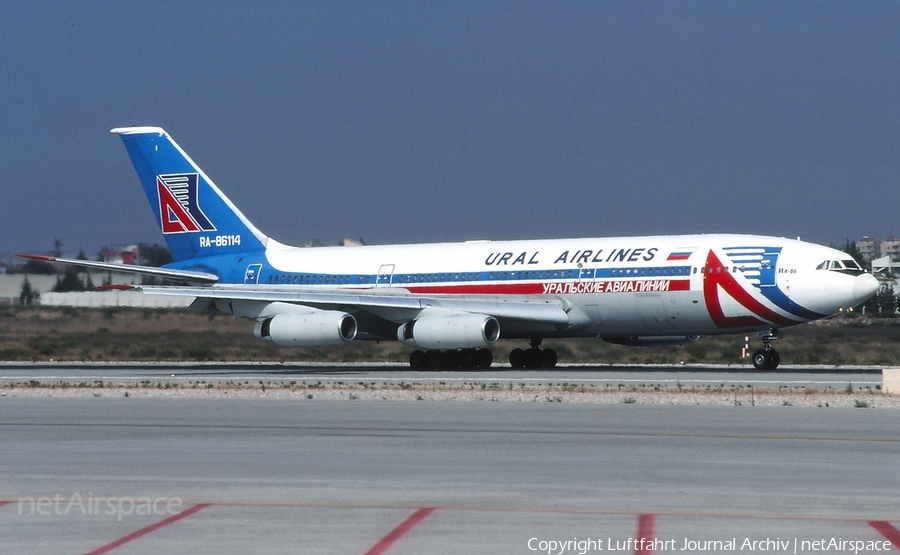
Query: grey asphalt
[[269, 476]]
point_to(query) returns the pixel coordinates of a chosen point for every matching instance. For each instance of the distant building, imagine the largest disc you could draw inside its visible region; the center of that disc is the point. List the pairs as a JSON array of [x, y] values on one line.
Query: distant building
[[128, 255], [890, 246], [869, 248]]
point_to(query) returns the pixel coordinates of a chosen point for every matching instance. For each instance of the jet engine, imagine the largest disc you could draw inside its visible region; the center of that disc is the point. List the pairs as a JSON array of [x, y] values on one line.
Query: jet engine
[[306, 329], [652, 341], [453, 331]]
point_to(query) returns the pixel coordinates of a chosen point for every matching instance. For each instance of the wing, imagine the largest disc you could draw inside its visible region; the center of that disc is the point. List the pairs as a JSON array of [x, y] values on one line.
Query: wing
[[379, 311], [550, 310]]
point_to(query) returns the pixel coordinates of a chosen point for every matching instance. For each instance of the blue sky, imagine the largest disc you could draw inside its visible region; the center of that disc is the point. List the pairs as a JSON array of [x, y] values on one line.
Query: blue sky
[[445, 121]]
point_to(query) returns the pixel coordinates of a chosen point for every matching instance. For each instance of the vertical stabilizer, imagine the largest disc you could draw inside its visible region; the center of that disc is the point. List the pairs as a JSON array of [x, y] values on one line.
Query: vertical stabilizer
[[196, 219]]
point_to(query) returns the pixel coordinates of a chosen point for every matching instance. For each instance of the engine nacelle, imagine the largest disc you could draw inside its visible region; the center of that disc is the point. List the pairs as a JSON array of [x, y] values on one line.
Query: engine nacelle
[[652, 341], [308, 329], [453, 331]]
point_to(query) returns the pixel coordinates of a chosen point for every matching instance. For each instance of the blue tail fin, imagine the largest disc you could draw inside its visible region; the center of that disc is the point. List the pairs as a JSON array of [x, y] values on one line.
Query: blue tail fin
[[196, 219]]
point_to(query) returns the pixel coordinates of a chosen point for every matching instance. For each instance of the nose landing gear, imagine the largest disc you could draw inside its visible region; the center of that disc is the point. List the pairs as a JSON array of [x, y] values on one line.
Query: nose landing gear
[[767, 358]]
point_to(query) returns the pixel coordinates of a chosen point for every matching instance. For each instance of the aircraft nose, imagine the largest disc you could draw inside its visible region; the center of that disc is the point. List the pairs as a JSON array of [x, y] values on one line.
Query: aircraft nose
[[864, 287]]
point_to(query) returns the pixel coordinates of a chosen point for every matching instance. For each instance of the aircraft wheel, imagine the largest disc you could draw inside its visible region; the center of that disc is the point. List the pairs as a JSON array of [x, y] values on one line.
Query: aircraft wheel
[[760, 359], [450, 359], [548, 358], [774, 359], [433, 359], [468, 359], [417, 360], [533, 358], [484, 358], [517, 358], [766, 360]]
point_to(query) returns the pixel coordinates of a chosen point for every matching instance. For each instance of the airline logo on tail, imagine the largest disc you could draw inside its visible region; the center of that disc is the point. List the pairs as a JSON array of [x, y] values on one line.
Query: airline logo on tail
[[179, 210]]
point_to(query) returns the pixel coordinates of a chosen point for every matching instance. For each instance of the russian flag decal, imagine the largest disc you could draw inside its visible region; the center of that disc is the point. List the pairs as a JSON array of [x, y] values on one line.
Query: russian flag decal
[[681, 254]]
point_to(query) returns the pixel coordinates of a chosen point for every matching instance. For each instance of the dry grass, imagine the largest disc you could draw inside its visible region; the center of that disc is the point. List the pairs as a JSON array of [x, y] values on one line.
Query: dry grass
[[81, 334]]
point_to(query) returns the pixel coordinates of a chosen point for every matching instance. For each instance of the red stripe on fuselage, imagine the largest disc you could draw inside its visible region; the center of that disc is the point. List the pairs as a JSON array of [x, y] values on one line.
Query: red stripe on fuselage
[[478, 289], [553, 287]]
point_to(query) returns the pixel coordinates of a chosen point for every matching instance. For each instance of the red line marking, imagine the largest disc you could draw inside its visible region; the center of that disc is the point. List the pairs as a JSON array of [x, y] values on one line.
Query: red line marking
[[5, 503], [478, 289], [886, 530], [644, 532], [386, 542], [147, 529]]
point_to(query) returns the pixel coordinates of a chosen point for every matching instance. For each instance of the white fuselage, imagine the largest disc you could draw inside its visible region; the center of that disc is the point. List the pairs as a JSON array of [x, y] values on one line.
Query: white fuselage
[[629, 286]]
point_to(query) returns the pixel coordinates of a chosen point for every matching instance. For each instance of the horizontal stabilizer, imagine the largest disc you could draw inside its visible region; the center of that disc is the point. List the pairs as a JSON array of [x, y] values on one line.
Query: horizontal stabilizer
[[190, 277]]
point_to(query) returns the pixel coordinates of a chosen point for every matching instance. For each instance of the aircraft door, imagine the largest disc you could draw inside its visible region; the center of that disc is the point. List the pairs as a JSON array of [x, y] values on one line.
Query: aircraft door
[[385, 275], [768, 268], [251, 276]]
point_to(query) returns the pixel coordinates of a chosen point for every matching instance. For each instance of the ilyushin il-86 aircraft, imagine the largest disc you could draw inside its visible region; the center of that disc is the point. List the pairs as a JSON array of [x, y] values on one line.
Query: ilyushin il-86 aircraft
[[450, 301]]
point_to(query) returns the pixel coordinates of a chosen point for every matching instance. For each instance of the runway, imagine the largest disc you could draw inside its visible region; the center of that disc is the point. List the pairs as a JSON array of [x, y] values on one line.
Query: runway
[[270, 476]]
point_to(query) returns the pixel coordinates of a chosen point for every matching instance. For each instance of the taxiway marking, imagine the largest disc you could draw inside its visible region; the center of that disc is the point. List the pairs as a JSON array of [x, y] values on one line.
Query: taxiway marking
[[887, 530], [386, 542], [644, 532], [147, 529]]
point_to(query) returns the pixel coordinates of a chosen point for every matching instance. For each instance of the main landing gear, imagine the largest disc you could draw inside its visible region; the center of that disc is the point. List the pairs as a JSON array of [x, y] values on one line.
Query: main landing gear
[[767, 358], [452, 359], [477, 359], [534, 357]]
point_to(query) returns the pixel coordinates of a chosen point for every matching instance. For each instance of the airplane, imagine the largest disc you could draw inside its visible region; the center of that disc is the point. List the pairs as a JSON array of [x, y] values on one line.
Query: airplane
[[451, 301]]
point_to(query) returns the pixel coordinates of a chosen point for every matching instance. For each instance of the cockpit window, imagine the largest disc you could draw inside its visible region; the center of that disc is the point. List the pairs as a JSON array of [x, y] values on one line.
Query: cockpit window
[[843, 266]]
